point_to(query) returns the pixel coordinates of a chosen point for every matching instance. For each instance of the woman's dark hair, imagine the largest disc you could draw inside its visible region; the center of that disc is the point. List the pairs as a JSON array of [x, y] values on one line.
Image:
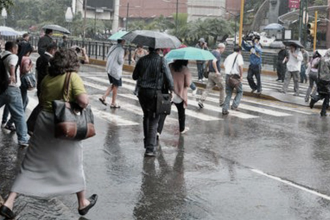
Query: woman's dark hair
[[64, 60], [177, 65], [316, 54]]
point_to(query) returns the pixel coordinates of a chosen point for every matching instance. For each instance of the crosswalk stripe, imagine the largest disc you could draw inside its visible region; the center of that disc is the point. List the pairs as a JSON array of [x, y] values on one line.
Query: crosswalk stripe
[[101, 114], [217, 109], [242, 106], [188, 112]]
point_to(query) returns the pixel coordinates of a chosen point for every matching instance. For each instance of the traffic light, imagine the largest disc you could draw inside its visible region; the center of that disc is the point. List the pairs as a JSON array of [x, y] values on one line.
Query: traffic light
[[311, 29]]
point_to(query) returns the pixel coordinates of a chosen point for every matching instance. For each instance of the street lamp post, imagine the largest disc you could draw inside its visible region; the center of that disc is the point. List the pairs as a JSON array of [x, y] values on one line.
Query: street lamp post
[[176, 17], [69, 16], [4, 15]]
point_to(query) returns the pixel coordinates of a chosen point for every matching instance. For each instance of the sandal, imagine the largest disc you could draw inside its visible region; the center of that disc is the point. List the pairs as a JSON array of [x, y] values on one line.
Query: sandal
[[103, 101], [114, 106]]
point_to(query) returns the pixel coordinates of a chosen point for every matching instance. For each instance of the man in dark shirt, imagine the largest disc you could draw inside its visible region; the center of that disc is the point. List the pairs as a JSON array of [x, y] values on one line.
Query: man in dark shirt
[[43, 63], [215, 77], [281, 66], [151, 73], [45, 41]]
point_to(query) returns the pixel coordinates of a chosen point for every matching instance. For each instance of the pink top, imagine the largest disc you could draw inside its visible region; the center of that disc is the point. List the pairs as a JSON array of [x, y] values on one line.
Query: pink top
[[25, 65], [182, 81]]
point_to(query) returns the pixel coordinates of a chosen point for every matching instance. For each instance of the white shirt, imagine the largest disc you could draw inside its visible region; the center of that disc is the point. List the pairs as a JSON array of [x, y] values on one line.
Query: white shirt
[[294, 64], [229, 68], [11, 60], [115, 61]]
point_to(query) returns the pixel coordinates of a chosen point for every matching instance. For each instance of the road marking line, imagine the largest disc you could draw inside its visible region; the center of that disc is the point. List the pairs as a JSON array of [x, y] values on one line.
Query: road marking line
[[291, 184], [218, 109], [188, 112]]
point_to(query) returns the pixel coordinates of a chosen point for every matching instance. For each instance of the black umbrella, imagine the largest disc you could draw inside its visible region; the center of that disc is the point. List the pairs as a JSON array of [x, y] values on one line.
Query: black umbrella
[[295, 43], [152, 39], [58, 28]]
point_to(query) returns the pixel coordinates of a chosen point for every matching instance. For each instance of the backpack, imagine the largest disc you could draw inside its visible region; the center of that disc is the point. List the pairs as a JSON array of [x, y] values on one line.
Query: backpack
[[4, 79]]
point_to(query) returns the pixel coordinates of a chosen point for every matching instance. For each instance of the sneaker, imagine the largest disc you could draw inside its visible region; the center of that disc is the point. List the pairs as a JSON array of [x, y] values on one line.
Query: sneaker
[[10, 127], [194, 92], [200, 104], [259, 92], [253, 90], [158, 135], [200, 80], [150, 153], [185, 130]]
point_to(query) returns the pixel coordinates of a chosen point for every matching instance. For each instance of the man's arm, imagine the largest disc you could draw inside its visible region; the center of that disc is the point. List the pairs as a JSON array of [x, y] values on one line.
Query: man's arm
[[121, 57], [246, 46], [214, 64], [84, 54], [12, 77], [136, 72]]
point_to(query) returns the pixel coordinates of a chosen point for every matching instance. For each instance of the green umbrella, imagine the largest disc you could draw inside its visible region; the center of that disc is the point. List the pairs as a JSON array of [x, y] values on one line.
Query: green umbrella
[[189, 53], [117, 35]]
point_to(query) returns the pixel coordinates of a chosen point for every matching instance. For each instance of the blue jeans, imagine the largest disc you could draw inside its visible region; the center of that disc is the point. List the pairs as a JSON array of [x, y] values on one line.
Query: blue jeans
[[303, 77], [200, 69], [254, 70], [12, 98], [193, 86], [25, 100], [229, 92]]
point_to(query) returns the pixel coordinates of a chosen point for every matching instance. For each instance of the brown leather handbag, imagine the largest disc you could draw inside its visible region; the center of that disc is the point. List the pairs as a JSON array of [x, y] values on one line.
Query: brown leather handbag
[[71, 121]]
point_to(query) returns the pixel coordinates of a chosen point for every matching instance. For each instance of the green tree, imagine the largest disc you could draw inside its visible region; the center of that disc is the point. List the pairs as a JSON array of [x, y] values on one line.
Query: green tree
[[6, 4]]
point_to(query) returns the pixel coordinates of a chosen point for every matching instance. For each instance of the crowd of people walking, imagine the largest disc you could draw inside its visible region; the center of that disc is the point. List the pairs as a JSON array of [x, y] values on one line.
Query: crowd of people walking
[[56, 165]]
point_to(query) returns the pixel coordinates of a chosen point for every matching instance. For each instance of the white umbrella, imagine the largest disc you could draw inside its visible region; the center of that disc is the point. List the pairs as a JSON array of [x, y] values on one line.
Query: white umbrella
[[7, 31]]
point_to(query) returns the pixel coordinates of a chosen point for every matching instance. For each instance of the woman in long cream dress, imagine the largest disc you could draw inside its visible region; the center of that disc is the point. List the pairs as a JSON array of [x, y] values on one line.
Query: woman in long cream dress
[[51, 166]]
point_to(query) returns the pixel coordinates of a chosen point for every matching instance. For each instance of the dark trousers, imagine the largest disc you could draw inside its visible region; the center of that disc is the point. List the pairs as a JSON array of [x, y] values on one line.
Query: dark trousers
[[281, 69], [181, 117], [147, 99], [303, 77], [254, 70], [325, 104], [200, 69]]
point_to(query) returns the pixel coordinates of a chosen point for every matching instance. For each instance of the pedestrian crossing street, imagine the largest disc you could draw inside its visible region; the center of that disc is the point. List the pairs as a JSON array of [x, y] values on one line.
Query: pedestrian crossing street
[[250, 108]]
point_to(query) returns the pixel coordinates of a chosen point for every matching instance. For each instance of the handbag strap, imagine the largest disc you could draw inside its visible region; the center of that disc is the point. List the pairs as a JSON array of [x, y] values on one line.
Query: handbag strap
[[234, 63], [66, 86]]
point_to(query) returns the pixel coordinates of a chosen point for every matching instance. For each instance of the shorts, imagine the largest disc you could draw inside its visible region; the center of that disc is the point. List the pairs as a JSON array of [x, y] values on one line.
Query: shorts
[[114, 81]]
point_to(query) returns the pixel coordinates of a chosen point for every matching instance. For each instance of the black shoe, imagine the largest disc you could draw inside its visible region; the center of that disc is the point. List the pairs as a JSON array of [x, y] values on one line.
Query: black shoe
[[200, 104], [150, 153], [6, 212], [323, 114], [92, 201], [225, 112], [234, 108], [313, 101]]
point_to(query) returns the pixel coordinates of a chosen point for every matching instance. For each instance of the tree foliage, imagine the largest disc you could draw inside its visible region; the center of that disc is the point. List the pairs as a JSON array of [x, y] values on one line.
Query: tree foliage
[[6, 4]]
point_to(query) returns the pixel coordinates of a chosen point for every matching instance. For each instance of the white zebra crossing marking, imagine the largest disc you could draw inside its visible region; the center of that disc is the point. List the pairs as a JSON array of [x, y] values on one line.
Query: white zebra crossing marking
[[188, 112], [101, 114], [208, 107]]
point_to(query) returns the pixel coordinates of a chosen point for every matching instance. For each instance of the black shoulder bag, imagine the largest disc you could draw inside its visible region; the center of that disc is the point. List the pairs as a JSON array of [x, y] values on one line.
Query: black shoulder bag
[[163, 104]]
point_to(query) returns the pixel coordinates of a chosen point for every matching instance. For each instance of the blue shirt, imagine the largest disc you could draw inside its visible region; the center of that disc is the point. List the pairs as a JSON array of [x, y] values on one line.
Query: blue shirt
[[255, 58], [218, 57]]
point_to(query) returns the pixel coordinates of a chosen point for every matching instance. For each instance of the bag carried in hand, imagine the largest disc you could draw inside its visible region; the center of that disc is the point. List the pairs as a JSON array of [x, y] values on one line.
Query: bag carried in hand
[[29, 81], [234, 80], [163, 104], [71, 121]]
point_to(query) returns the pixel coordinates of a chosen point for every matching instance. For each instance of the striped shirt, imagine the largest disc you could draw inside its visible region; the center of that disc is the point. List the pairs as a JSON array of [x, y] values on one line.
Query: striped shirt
[[148, 72]]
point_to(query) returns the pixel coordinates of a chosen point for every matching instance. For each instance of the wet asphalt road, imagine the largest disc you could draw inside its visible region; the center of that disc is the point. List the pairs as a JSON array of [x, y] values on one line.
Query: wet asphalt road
[[254, 164]]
